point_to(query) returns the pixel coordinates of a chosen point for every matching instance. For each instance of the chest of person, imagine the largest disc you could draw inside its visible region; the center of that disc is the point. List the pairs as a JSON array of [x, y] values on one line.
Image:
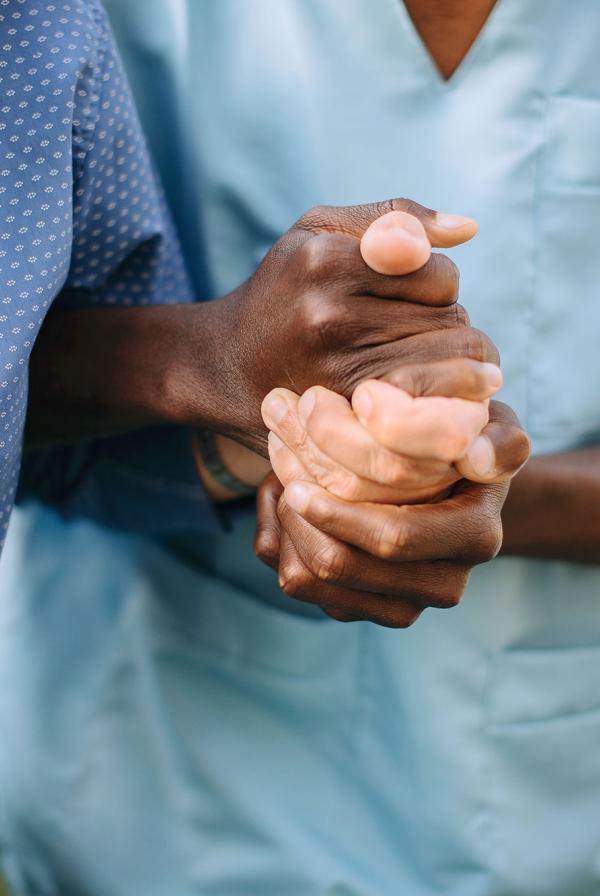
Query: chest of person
[[306, 102]]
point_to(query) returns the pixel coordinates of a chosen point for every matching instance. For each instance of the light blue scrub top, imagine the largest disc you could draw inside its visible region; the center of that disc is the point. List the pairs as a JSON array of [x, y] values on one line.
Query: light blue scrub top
[[169, 729]]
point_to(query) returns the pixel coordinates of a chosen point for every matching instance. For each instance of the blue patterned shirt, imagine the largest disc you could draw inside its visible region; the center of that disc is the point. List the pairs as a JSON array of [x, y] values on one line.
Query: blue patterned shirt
[[83, 222]]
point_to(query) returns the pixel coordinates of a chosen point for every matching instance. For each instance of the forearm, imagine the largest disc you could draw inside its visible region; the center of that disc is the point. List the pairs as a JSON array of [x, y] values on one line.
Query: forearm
[[553, 508], [97, 372]]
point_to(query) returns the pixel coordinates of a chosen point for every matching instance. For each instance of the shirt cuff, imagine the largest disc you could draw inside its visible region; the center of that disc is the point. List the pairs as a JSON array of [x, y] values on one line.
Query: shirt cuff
[[144, 482]]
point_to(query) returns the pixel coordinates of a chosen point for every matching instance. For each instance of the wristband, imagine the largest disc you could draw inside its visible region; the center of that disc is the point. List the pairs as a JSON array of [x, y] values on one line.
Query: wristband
[[211, 457]]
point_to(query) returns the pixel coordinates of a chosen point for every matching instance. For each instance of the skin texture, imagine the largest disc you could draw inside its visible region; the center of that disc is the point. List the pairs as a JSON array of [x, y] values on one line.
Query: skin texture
[[328, 287], [352, 531], [314, 312], [379, 563], [434, 425], [448, 28], [339, 541], [323, 434], [551, 512], [393, 244], [552, 509]]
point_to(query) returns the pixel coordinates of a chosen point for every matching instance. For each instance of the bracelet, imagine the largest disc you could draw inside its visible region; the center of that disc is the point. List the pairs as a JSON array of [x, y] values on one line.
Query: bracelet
[[211, 457]]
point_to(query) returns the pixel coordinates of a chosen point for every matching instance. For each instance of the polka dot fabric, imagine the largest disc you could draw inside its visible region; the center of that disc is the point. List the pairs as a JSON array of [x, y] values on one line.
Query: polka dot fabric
[[82, 217]]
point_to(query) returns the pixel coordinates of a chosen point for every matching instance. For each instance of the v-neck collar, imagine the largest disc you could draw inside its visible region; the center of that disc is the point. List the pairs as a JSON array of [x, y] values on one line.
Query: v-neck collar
[[430, 69]]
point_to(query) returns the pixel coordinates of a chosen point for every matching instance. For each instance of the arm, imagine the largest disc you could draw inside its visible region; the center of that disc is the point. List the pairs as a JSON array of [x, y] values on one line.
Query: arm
[[97, 371], [553, 508]]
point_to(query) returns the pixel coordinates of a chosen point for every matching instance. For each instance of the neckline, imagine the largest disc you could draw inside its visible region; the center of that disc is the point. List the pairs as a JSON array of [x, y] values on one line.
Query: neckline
[[433, 74]]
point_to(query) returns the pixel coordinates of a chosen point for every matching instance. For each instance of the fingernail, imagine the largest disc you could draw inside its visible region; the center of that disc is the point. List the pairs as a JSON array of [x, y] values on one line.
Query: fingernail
[[306, 405], [297, 496], [274, 409], [362, 404], [452, 222], [481, 456], [493, 375], [275, 443]]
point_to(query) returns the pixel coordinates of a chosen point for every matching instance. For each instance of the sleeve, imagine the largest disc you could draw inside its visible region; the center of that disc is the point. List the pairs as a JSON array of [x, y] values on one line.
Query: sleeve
[[125, 252]]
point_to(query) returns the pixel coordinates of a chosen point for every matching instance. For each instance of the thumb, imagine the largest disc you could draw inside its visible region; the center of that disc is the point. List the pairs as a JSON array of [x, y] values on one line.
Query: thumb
[[395, 244], [443, 230]]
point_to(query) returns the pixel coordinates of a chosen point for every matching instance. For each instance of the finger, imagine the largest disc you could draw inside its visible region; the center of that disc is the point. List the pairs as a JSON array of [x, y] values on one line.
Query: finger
[[443, 230], [500, 451], [441, 345], [435, 427], [339, 616], [333, 258], [332, 563], [343, 603], [290, 445], [379, 358], [331, 425], [285, 463], [395, 244], [267, 534], [454, 378], [465, 527]]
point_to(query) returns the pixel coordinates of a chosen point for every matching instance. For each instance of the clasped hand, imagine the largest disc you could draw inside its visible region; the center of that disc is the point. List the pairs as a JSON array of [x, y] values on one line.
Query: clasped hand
[[380, 506]]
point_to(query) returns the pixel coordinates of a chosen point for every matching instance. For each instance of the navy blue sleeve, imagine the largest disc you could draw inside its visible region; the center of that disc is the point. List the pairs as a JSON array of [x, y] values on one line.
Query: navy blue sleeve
[[83, 222], [145, 482]]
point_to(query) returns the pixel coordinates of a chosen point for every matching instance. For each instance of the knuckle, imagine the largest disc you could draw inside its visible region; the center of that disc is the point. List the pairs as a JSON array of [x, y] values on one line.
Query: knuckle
[[449, 592], [395, 540], [320, 317], [407, 618], [314, 256], [342, 483], [265, 547], [317, 217], [490, 541], [340, 615], [409, 205], [462, 316], [395, 616], [480, 347], [329, 562], [476, 344], [446, 599], [420, 380], [294, 578]]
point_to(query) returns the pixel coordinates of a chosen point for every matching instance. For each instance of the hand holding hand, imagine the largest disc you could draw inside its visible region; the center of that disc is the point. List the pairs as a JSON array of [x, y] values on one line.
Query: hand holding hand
[[316, 312], [330, 533], [383, 562]]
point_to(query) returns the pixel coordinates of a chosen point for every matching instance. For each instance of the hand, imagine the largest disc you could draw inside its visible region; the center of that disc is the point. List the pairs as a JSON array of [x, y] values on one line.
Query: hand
[[319, 437], [392, 243], [315, 312], [381, 562]]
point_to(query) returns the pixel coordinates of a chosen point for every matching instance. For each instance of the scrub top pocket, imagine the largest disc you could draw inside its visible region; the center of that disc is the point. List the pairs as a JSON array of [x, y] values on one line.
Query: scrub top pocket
[[543, 793], [563, 397]]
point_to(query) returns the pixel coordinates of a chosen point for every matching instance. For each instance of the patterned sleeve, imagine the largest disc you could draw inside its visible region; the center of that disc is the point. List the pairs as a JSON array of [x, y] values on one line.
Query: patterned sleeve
[[96, 232]]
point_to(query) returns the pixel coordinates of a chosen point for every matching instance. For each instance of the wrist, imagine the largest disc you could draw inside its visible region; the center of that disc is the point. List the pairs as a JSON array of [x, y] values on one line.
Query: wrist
[[99, 371], [552, 508], [227, 469], [205, 385]]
